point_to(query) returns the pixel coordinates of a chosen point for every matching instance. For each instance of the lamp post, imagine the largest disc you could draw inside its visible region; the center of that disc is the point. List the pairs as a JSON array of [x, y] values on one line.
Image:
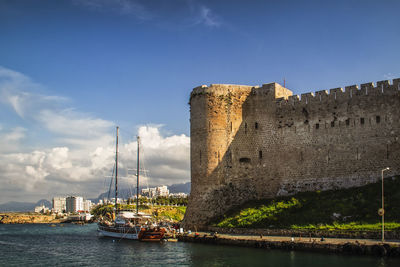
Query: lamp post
[[383, 208]]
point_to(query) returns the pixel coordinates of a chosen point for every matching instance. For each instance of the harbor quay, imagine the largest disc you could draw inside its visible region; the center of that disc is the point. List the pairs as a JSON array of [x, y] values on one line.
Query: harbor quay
[[312, 244]]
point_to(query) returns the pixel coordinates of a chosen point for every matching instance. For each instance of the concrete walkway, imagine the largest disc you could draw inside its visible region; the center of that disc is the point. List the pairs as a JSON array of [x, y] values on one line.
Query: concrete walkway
[[331, 245], [306, 239]]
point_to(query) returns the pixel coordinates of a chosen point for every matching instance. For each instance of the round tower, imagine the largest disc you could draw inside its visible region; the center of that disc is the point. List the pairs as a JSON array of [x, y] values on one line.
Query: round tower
[[215, 117]]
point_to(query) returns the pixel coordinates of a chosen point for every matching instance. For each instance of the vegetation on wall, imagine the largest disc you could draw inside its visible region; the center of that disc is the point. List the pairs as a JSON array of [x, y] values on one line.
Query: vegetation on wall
[[342, 209]]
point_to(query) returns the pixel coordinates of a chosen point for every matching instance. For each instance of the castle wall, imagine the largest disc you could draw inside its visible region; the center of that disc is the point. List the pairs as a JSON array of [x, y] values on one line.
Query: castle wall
[[340, 139], [260, 142]]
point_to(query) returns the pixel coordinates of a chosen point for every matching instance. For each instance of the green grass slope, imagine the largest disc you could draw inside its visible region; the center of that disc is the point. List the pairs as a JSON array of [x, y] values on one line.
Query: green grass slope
[[344, 209]]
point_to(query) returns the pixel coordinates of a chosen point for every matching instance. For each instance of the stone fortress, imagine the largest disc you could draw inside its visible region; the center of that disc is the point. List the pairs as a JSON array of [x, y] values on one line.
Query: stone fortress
[[252, 142]]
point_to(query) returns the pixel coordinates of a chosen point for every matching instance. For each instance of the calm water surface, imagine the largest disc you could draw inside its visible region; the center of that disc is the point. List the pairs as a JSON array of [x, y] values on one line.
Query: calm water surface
[[74, 245]]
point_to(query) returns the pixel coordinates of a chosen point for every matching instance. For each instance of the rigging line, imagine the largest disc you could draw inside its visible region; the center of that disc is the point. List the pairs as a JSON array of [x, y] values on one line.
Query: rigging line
[[109, 188], [105, 180], [145, 174], [130, 141], [127, 232], [145, 171]]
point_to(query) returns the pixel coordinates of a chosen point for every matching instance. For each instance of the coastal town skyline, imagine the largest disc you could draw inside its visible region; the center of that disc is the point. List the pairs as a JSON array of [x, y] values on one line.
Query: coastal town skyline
[[73, 70]]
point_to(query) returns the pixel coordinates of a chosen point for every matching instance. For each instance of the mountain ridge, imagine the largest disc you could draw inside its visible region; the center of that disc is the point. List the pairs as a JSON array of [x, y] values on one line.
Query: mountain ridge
[[23, 206]]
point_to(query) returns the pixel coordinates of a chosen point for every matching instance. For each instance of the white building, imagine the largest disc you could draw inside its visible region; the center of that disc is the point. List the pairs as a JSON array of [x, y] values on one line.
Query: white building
[[74, 204], [59, 204], [162, 191], [149, 192], [159, 191], [112, 200], [41, 209], [87, 205], [182, 195]]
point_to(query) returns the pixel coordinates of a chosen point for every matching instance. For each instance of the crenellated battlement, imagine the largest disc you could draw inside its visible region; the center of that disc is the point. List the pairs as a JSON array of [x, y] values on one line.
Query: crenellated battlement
[[346, 94]]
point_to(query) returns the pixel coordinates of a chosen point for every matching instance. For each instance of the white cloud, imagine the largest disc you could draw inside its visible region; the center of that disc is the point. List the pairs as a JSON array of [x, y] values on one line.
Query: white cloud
[[10, 138], [84, 152], [16, 134], [58, 168], [16, 103], [167, 158], [124, 7], [72, 123], [203, 15], [208, 18], [190, 12], [58, 158], [16, 91], [11, 83]]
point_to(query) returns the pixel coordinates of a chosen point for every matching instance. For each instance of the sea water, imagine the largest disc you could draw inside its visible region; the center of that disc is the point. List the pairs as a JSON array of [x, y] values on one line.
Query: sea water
[[76, 245]]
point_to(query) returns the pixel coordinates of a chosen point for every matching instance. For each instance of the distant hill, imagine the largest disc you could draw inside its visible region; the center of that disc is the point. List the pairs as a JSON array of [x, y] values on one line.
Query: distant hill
[[23, 206], [180, 188]]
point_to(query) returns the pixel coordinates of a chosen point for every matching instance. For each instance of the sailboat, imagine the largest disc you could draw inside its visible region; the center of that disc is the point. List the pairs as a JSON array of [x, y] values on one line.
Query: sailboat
[[127, 224]]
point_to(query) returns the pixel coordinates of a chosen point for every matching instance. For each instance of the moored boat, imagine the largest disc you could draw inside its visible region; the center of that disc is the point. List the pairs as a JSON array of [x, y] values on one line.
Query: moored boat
[[152, 234], [125, 224]]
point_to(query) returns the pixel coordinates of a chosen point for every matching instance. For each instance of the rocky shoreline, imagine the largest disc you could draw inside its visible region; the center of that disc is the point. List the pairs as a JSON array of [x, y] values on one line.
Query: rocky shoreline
[[27, 218]]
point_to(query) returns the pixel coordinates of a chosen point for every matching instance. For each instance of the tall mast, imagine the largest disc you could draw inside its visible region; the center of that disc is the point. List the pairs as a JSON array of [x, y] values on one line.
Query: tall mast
[[137, 175], [116, 172]]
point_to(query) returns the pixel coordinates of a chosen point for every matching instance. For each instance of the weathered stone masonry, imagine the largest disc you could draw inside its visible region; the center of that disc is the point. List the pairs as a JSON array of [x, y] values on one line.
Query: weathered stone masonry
[[251, 142]]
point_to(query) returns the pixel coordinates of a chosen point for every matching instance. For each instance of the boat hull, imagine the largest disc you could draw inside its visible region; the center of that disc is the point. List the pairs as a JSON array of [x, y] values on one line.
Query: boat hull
[[151, 235], [121, 233]]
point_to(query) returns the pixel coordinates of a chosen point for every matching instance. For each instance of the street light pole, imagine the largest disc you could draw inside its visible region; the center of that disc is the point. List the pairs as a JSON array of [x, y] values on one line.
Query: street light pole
[[383, 208]]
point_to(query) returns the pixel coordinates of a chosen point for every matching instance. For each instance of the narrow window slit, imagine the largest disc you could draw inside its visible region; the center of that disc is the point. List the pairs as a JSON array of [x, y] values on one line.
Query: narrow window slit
[[387, 151]]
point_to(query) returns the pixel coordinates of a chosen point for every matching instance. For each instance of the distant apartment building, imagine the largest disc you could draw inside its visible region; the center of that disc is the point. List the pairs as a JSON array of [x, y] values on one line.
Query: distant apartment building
[[74, 204], [182, 195], [149, 192], [112, 200], [162, 191], [59, 204], [41, 209], [159, 191], [87, 205]]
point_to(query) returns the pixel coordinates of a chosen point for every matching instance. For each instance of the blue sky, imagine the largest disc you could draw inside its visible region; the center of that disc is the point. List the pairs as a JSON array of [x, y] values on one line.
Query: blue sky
[[80, 67]]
